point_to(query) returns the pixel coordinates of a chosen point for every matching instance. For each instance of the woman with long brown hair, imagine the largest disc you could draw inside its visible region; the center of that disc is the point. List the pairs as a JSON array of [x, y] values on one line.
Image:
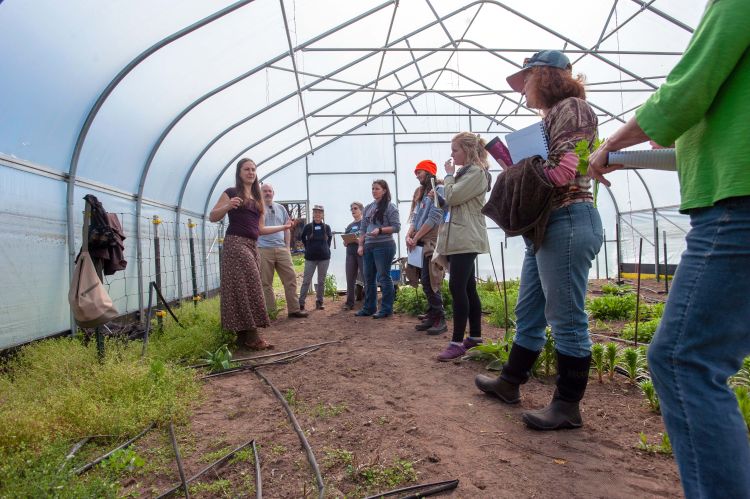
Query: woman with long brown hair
[[559, 249], [377, 247], [243, 308]]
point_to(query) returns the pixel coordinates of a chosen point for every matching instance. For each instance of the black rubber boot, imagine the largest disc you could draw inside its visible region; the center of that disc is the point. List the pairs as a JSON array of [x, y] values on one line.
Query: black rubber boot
[[515, 373], [563, 412]]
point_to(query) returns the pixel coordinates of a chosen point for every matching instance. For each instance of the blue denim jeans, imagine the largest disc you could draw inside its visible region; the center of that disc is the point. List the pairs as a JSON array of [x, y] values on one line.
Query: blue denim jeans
[[377, 271], [554, 281], [701, 341]]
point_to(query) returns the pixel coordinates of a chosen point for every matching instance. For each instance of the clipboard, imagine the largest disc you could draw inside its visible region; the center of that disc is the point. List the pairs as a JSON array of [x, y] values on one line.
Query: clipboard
[[350, 238], [415, 257]]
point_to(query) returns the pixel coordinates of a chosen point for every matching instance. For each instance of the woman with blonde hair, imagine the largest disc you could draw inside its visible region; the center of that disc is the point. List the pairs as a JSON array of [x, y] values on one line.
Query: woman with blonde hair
[[463, 236], [243, 308]]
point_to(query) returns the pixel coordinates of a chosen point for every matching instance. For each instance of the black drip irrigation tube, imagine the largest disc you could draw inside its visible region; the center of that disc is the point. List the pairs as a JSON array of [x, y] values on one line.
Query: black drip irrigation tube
[[210, 467], [275, 354], [98, 460], [300, 434], [179, 461], [251, 367], [429, 489]]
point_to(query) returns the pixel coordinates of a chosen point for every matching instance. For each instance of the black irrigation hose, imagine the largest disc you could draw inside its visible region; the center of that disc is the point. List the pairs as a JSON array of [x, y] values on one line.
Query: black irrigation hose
[[179, 461], [432, 488], [207, 468], [284, 360], [98, 460], [300, 434], [258, 482], [275, 354], [613, 338]]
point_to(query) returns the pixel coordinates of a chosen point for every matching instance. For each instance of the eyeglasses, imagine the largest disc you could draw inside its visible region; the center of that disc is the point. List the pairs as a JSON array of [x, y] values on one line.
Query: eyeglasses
[[355, 208]]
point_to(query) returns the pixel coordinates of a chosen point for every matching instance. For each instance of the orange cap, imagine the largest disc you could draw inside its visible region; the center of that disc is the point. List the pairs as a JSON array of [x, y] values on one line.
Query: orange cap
[[427, 166]]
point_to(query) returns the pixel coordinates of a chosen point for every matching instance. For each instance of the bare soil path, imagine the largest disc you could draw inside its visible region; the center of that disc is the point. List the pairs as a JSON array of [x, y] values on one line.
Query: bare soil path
[[381, 396]]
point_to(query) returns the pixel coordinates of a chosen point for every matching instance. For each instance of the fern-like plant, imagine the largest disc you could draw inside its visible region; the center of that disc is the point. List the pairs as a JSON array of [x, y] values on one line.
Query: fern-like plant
[[647, 387], [597, 358], [612, 354], [634, 362]]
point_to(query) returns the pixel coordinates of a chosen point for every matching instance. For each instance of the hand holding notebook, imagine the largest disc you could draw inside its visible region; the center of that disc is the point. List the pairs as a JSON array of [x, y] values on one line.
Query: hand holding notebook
[[524, 143]]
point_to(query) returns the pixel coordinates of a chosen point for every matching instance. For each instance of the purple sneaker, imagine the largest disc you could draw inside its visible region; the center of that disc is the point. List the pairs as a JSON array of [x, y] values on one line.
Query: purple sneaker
[[470, 342], [451, 352]]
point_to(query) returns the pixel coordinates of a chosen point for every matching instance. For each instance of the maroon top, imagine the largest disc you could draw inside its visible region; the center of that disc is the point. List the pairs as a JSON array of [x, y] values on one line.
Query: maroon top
[[244, 220]]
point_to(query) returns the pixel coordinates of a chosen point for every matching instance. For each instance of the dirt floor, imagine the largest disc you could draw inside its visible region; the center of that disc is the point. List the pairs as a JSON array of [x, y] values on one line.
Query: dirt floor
[[380, 395]]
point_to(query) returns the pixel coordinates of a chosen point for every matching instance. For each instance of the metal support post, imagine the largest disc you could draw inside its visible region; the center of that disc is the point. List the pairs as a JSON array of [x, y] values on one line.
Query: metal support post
[[191, 247], [156, 221]]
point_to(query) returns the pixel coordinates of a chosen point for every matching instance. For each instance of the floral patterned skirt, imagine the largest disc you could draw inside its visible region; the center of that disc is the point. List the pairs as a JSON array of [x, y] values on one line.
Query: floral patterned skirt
[[242, 304]]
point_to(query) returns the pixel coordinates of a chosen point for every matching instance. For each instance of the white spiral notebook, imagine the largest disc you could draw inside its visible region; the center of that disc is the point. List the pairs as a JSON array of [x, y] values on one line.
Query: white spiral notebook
[[527, 142], [652, 159]]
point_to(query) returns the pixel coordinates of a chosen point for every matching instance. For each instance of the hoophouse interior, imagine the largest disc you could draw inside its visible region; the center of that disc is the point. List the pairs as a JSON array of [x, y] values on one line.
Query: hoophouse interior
[[149, 106]]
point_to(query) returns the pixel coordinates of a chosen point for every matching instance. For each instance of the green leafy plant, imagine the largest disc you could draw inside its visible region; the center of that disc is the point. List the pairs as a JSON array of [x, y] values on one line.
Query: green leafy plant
[[597, 358], [612, 307], [496, 305], [122, 460], [647, 387], [664, 447], [291, 398], [329, 288], [547, 357], [325, 411], [583, 151], [495, 353], [651, 311], [377, 476], [412, 301], [742, 378], [616, 289], [612, 355], [633, 361], [743, 400], [333, 458], [646, 330], [220, 360]]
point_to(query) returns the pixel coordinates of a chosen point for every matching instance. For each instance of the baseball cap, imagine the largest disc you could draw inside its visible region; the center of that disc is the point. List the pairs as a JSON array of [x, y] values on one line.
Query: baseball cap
[[552, 58]]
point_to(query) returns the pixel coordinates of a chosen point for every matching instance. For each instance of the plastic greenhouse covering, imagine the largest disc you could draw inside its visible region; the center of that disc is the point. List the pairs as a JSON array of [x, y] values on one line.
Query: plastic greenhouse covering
[[148, 105]]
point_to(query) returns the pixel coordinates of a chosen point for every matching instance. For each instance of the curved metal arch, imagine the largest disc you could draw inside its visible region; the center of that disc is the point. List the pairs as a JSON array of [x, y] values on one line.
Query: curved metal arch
[[428, 25], [235, 6], [518, 14], [83, 133], [162, 137]]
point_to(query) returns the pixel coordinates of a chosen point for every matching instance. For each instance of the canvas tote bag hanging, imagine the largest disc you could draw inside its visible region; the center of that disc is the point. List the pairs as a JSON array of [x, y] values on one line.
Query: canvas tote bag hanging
[[87, 296]]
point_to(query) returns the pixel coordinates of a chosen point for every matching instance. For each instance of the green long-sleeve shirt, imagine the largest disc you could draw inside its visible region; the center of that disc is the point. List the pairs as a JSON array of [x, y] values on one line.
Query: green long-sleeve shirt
[[704, 108]]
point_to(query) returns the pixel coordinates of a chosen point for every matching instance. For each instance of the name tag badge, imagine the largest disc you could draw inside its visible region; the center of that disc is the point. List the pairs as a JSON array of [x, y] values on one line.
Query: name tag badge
[[317, 227], [447, 216]]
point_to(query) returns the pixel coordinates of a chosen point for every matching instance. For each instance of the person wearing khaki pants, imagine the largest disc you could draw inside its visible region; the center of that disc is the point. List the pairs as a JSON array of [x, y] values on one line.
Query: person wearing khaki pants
[[275, 257]]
